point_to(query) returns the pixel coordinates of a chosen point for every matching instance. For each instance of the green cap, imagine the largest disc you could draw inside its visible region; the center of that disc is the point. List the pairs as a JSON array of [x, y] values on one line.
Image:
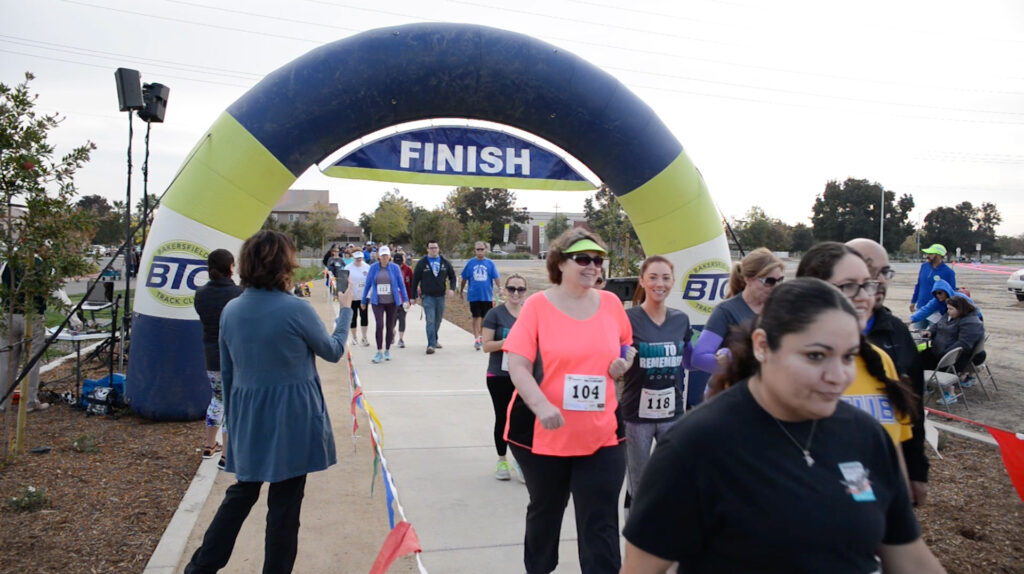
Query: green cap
[[936, 248], [584, 245]]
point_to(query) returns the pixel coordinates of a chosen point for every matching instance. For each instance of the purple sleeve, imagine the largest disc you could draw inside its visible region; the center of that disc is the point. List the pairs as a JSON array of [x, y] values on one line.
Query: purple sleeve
[[704, 352]]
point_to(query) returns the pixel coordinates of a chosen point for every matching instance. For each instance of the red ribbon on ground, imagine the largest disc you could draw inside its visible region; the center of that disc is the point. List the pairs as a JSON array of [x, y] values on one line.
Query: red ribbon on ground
[[401, 541], [1011, 447]]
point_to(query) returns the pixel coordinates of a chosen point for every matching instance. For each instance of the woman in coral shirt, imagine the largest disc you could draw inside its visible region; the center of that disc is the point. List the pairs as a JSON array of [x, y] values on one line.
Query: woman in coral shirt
[[566, 349]]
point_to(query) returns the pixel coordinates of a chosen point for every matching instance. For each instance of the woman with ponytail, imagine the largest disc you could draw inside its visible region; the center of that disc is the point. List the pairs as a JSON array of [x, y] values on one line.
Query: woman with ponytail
[[652, 392], [750, 283]]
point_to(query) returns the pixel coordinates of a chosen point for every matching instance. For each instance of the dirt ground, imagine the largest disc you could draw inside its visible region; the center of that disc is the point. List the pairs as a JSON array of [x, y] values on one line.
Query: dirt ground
[[108, 508]]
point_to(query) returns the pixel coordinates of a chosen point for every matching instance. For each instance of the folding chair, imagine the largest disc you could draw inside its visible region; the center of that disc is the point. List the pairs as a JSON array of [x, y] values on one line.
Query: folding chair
[[976, 370], [945, 376]]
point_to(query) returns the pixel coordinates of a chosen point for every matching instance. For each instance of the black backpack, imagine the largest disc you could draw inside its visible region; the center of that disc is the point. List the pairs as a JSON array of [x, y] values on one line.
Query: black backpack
[[101, 401]]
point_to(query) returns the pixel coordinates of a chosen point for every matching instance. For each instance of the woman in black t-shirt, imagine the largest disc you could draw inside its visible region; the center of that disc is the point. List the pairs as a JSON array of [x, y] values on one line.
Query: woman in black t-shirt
[[776, 474], [497, 323]]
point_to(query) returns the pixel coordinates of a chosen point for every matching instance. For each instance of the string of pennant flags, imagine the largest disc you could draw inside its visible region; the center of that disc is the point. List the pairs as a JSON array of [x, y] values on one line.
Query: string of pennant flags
[[402, 539], [1011, 447]]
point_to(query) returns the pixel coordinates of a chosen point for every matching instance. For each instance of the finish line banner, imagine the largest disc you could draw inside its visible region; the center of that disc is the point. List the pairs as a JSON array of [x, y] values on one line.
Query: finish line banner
[[460, 156]]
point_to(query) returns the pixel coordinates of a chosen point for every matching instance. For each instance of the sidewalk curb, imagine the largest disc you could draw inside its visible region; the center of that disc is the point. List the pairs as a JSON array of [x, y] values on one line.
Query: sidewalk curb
[[168, 553]]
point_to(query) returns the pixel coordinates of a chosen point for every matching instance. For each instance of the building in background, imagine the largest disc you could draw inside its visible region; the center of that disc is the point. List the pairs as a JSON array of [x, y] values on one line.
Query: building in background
[[532, 235]]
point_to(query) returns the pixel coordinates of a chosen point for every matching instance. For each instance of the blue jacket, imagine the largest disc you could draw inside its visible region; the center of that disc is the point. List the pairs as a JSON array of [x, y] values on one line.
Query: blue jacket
[[273, 401], [926, 277], [936, 306], [397, 285]]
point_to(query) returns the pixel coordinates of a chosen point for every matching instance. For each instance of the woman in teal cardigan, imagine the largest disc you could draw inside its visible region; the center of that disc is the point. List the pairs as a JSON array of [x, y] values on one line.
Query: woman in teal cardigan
[[386, 294], [273, 402]]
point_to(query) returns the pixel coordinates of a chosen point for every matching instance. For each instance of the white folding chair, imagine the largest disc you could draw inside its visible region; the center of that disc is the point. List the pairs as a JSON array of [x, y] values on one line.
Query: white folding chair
[[945, 376]]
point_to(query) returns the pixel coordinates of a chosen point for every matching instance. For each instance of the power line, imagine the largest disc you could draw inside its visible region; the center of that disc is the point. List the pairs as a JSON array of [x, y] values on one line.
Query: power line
[[256, 15], [193, 22], [79, 51], [108, 67]]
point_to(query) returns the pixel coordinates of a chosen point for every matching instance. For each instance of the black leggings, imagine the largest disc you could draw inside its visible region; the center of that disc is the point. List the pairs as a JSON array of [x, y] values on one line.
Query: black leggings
[[359, 311], [501, 388], [384, 314], [594, 481]]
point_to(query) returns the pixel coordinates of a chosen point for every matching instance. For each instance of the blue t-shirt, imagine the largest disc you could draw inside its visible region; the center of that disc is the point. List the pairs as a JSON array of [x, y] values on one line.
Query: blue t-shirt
[[480, 273], [435, 264]]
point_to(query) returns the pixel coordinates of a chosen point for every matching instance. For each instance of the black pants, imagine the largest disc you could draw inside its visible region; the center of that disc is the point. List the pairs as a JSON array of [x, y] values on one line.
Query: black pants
[[930, 359], [359, 311], [594, 482], [501, 389], [284, 503], [401, 312]]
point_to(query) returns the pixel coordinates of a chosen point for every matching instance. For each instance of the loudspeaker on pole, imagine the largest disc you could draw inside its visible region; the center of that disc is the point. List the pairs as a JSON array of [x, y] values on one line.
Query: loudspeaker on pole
[[129, 89], [155, 98]]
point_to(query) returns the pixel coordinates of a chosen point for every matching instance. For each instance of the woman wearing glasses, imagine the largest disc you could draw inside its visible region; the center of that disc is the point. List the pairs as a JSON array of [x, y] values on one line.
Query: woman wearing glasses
[[496, 326], [877, 388], [750, 283], [563, 424]]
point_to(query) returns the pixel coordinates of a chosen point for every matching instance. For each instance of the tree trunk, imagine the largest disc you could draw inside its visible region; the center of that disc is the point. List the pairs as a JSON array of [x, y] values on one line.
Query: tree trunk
[[19, 436]]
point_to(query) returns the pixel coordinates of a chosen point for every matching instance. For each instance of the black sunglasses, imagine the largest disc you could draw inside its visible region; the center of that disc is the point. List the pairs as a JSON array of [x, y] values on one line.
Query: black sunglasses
[[516, 289], [582, 259], [771, 281]]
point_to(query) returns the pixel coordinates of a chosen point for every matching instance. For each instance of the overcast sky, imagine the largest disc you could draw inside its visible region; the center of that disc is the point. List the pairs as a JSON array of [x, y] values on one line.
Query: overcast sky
[[770, 99]]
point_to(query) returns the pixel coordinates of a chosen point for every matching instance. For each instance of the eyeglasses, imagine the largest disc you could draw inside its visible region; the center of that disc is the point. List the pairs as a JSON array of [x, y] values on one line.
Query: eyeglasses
[[479, 248], [582, 259], [887, 272], [771, 281], [852, 289], [516, 289]]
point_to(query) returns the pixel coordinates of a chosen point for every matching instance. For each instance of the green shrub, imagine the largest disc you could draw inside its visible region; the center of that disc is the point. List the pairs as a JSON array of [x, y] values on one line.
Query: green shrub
[[31, 499]]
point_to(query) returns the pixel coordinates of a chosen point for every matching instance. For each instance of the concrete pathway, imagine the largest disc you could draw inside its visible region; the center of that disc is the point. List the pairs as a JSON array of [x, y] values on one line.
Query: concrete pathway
[[437, 420]]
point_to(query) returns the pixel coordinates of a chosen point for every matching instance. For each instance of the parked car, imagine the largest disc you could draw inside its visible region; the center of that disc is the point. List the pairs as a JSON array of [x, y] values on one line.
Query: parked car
[[498, 252], [1015, 284]]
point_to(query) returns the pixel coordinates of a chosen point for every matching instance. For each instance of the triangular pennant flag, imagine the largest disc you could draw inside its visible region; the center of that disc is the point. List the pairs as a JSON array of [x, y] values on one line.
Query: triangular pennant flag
[[401, 541], [1011, 445]]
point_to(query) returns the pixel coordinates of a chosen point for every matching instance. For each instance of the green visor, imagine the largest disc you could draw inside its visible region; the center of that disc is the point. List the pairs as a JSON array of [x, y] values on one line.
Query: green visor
[[584, 245]]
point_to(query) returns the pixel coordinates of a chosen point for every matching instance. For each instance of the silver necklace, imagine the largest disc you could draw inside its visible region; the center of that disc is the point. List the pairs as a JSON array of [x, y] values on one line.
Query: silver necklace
[[804, 449]]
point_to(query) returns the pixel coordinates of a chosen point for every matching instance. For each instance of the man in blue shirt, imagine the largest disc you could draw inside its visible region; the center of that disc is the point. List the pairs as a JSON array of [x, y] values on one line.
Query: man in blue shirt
[[931, 270], [479, 272]]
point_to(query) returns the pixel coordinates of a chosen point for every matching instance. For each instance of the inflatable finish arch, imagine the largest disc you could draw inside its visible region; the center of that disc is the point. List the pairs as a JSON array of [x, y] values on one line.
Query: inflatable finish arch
[[303, 112]]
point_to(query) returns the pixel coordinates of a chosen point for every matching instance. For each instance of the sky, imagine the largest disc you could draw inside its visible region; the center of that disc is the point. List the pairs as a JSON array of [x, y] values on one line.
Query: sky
[[771, 100]]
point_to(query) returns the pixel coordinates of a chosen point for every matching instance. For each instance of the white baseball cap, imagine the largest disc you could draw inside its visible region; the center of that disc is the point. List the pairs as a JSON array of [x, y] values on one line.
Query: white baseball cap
[[357, 254], [384, 250]]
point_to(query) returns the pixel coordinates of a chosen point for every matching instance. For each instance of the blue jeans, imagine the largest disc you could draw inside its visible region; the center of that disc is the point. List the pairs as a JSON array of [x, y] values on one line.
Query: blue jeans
[[433, 310]]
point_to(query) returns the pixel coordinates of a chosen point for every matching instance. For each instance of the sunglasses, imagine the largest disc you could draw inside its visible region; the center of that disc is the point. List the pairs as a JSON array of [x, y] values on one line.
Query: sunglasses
[[582, 259], [480, 249], [852, 289], [516, 289], [771, 281]]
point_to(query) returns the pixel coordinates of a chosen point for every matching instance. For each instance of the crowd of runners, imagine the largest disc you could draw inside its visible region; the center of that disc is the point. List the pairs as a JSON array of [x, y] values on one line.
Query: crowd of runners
[[807, 456]]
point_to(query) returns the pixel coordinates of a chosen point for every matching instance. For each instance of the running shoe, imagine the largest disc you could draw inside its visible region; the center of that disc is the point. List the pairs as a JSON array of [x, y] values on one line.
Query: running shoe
[[365, 342], [438, 345], [967, 383], [377, 358], [947, 399], [401, 344], [478, 343], [430, 350], [502, 472], [223, 462], [387, 355], [516, 471]]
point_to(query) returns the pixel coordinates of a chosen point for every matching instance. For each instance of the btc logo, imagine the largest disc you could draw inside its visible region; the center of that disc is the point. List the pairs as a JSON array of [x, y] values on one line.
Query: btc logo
[[704, 285], [174, 270]]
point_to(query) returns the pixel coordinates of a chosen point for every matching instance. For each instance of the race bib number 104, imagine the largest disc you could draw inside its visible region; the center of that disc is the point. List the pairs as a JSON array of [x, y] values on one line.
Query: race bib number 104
[[584, 393]]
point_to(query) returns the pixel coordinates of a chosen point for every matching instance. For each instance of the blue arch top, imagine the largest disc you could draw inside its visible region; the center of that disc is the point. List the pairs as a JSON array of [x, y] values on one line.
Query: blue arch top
[[340, 92]]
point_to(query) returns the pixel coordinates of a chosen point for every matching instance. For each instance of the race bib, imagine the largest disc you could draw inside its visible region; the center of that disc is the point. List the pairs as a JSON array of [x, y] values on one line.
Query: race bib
[[584, 393], [657, 404], [383, 288]]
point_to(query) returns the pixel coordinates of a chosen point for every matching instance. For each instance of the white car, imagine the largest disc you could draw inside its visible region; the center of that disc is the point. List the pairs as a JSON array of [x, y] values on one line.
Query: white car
[[1016, 284]]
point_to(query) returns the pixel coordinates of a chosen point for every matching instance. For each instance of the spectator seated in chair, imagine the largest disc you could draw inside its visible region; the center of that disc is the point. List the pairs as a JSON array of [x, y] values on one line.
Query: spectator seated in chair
[[960, 327]]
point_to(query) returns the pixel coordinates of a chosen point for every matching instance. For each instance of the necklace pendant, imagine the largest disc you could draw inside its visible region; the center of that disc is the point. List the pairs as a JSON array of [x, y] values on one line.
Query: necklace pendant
[[808, 459]]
